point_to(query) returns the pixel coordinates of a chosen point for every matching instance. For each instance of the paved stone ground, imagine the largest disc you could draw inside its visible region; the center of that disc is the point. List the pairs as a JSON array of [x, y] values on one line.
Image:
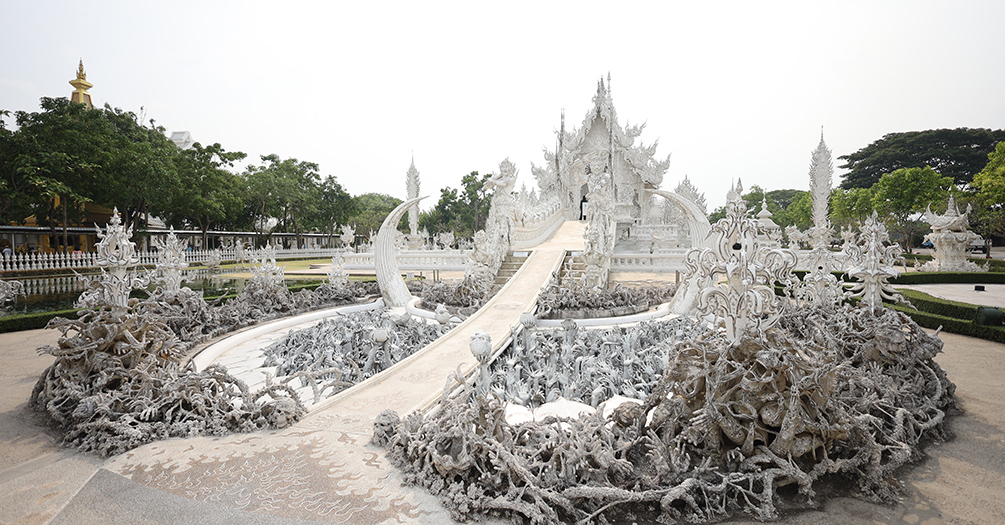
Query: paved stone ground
[[323, 469]]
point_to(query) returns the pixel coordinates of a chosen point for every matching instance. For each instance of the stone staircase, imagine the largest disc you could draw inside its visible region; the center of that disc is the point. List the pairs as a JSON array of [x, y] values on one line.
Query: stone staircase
[[510, 265], [572, 267]]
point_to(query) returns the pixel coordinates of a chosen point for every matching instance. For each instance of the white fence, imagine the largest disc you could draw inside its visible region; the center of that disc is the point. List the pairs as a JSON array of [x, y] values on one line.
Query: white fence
[[413, 260], [656, 262], [526, 236], [674, 260], [407, 260]]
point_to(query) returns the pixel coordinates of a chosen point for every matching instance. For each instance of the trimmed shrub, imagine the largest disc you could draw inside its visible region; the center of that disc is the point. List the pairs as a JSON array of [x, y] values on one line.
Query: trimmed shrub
[[956, 326], [934, 305], [33, 321], [949, 278]]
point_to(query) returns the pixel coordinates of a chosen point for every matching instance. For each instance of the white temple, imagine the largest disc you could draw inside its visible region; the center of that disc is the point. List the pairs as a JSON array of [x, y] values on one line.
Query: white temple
[[603, 153]]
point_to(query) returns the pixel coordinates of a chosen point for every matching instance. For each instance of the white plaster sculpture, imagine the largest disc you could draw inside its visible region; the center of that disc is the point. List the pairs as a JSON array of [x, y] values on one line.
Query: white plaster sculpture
[[392, 287], [337, 275], [445, 240], [240, 254], [951, 239], [412, 189], [768, 229], [481, 348], [746, 302], [820, 286], [849, 255], [264, 268], [10, 290], [348, 236], [170, 261], [600, 234], [796, 238], [492, 243], [116, 254], [876, 265], [215, 259]]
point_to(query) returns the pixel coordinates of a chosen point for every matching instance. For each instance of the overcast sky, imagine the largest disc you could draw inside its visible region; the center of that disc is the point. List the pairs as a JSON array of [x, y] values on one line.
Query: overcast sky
[[729, 89]]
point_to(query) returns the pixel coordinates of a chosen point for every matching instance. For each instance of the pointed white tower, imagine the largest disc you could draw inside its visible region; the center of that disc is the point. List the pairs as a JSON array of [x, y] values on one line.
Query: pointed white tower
[[821, 170], [412, 188]]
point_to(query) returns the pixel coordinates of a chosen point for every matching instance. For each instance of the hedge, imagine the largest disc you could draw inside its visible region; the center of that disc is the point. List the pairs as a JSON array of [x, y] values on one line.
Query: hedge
[[33, 321], [949, 278], [943, 307], [954, 325]]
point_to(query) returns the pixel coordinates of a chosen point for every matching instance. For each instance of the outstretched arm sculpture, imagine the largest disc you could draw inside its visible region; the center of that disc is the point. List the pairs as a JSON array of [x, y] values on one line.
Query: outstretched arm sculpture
[[392, 287]]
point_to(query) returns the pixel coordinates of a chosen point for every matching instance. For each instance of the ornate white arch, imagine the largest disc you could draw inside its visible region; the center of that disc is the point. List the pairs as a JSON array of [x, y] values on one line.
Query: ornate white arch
[[687, 292]]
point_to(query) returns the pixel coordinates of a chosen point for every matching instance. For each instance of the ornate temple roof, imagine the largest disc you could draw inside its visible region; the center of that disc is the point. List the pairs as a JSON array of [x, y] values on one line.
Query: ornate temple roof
[[622, 139]]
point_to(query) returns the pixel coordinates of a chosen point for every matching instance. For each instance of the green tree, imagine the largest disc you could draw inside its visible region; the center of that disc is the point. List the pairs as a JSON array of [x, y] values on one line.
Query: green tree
[[287, 190], [335, 206], [989, 198], [848, 207], [957, 153], [58, 154], [799, 212], [461, 211], [207, 193], [141, 163], [371, 210], [904, 193]]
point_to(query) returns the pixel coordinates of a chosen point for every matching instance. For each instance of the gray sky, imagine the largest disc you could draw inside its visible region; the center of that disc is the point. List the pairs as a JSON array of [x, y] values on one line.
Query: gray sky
[[730, 89]]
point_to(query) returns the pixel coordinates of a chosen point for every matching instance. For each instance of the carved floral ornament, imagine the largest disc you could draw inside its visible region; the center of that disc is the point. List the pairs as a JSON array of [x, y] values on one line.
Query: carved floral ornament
[[746, 301]]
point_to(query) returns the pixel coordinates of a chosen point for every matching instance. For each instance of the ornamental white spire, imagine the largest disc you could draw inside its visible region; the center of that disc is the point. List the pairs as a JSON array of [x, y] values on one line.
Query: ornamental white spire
[[412, 187], [821, 170]]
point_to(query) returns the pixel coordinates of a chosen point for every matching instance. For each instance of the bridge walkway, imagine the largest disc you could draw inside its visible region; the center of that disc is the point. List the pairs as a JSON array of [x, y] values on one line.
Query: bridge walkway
[[323, 468]]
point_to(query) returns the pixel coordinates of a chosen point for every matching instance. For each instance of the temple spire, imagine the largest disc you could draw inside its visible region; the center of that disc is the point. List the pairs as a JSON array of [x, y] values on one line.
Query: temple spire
[[81, 85], [412, 191], [821, 170]]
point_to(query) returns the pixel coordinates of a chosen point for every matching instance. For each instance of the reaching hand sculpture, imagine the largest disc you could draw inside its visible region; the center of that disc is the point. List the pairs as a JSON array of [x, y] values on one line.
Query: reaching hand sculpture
[[9, 290]]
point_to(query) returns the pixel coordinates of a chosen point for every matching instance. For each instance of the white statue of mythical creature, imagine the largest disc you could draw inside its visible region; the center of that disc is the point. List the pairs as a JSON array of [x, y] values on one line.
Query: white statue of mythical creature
[[348, 235], [494, 241], [951, 239], [951, 221], [445, 239]]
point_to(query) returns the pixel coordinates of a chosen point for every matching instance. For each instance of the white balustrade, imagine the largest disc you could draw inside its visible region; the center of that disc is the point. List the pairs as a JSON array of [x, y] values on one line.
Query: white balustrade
[[408, 260]]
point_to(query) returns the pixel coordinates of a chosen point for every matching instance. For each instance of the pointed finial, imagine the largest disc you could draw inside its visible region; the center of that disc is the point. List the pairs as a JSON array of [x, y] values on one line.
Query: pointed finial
[[608, 81], [80, 70]]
